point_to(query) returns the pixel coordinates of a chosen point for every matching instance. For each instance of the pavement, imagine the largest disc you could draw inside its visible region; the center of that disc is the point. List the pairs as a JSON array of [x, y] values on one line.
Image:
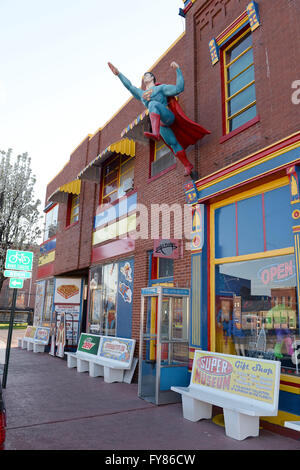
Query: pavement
[[51, 407]]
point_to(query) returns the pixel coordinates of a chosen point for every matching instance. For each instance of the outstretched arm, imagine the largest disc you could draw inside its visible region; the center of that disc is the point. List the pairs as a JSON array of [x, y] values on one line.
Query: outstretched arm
[[136, 92], [172, 90]]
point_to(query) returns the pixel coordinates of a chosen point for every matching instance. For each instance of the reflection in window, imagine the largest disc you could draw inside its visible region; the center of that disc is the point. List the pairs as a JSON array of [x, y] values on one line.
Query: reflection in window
[[51, 223], [256, 310], [102, 315]]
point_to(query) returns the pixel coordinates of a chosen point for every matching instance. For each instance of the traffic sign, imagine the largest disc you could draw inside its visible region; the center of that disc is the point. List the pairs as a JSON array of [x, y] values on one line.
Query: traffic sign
[[18, 274], [21, 260], [16, 283]]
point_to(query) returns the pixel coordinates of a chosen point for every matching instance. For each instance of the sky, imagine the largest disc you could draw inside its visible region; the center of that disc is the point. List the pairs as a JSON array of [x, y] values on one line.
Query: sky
[[55, 85]]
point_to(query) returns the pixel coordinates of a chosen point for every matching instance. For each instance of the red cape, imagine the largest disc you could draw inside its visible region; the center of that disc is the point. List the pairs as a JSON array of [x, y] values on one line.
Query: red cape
[[186, 131]]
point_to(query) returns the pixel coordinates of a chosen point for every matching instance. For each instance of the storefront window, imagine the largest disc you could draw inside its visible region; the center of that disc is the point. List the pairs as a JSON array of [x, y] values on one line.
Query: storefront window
[[256, 310], [48, 300], [104, 288]]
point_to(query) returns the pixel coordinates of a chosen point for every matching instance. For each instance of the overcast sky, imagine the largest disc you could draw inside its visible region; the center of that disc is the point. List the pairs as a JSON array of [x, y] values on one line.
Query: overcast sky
[[55, 86]]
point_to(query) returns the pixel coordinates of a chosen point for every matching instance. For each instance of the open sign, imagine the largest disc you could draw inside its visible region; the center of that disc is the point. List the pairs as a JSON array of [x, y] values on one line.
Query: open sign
[[277, 272]]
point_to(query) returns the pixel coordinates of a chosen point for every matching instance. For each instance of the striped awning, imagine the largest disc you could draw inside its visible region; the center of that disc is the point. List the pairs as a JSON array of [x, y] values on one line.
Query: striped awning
[[60, 194], [92, 170], [135, 130]]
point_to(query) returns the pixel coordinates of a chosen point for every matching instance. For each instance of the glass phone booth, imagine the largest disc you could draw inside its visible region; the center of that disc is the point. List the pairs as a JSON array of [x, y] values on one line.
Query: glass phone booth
[[164, 347]]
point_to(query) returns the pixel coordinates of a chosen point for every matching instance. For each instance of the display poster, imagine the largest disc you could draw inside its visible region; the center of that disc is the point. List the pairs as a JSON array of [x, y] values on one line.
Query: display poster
[[72, 317], [125, 294], [39, 302], [60, 336], [67, 291], [89, 344], [116, 348], [252, 378], [42, 334], [30, 332]]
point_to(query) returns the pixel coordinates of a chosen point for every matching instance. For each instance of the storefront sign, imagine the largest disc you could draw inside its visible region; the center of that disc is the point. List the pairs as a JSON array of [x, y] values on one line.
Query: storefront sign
[[242, 376], [116, 348], [89, 344], [67, 290], [30, 332], [72, 318], [166, 248], [277, 272], [42, 334]]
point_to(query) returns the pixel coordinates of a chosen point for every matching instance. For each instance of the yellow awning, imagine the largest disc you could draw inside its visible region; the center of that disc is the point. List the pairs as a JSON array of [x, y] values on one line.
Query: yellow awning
[[92, 170], [60, 194]]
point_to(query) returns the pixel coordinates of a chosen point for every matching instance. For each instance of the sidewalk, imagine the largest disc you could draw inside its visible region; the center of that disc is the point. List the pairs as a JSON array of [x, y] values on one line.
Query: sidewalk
[[51, 407]]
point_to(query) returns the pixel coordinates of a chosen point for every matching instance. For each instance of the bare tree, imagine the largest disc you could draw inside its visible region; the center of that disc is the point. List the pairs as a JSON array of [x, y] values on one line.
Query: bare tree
[[19, 214]]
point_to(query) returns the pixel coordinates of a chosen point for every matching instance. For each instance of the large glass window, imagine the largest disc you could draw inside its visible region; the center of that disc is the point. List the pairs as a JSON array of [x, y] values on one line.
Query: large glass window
[[256, 309], [117, 178], [103, 300], [162, 159], [240, 96], [51, 222]]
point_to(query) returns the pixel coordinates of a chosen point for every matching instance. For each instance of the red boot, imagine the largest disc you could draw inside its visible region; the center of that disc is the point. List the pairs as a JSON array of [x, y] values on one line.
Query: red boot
[[188, 167], [155, 124]]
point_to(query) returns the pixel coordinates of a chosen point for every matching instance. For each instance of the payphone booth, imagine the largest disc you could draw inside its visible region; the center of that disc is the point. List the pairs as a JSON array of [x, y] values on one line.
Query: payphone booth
[[164, 347]]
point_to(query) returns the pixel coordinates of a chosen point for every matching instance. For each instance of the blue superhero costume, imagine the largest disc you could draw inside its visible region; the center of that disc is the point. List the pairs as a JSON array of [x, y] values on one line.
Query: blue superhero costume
[[167, 118]]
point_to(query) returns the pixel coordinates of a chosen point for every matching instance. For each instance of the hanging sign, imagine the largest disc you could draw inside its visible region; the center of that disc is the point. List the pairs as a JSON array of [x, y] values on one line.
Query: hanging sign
[[166, 248], [214, 51]]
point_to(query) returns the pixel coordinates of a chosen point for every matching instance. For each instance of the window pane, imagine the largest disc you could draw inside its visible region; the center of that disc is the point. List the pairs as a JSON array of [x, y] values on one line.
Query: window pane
[[165, 267], [111, 166], [256, 310], [239, 47], [161, 151], [242, 118], [111, 177], [241, 100], [110, 187], [127, 166], [241, 81], [240, 65]]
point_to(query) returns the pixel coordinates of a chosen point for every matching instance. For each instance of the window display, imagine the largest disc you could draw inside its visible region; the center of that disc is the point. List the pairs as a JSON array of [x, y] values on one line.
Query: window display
[[256, 310]]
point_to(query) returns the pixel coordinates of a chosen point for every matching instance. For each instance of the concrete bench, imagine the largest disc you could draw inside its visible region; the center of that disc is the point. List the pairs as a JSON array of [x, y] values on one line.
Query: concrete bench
[[104, 356], [246, 388], [35, 339]]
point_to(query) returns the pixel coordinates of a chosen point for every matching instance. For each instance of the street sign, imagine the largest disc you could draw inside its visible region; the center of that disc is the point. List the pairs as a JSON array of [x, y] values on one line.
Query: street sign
[[21, 260], [16, 283], [18, 274]]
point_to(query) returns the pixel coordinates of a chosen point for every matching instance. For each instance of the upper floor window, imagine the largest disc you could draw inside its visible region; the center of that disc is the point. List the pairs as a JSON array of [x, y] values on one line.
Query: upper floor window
[[239, 82], [73, 212], [117, 178], [162, 158], [51, 222]]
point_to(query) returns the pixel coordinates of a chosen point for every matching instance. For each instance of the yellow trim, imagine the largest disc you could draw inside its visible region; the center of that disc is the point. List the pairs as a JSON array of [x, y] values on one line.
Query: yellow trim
[[264, 254], [231, 31], [263, 188], [281, 417], [290, 378], [47, 258], [237, 93], [72, 187]]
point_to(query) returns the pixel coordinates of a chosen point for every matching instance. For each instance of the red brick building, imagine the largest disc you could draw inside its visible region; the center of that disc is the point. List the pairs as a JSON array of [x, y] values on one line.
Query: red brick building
[[239, 61]]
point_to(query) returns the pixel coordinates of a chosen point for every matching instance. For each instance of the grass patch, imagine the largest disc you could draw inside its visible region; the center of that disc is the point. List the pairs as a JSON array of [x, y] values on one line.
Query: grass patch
[[17, 326]]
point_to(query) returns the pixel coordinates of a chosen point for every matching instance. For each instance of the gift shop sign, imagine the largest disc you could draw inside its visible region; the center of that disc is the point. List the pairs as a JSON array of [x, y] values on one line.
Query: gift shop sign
[[246, 377], [166, 248]]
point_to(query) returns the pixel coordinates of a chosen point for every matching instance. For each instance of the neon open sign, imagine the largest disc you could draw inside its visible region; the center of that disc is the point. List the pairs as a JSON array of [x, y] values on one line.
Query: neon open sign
[[277, 272]]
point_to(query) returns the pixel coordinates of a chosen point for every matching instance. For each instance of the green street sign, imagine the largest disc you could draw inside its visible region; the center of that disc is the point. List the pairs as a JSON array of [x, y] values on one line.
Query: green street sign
[[21, 260], [18, 274], [16, 283]]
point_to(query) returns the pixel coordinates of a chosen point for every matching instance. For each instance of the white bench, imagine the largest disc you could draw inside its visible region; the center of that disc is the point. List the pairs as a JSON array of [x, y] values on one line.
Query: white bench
[[113, 360], [35, 339], [246, 388]]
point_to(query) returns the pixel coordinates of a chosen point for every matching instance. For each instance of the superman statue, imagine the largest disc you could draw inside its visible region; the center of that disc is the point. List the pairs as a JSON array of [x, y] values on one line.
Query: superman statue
[[166, 116]]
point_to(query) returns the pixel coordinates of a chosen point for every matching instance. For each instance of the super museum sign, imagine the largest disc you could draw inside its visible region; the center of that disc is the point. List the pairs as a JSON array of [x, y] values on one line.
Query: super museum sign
[[246, 377]]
